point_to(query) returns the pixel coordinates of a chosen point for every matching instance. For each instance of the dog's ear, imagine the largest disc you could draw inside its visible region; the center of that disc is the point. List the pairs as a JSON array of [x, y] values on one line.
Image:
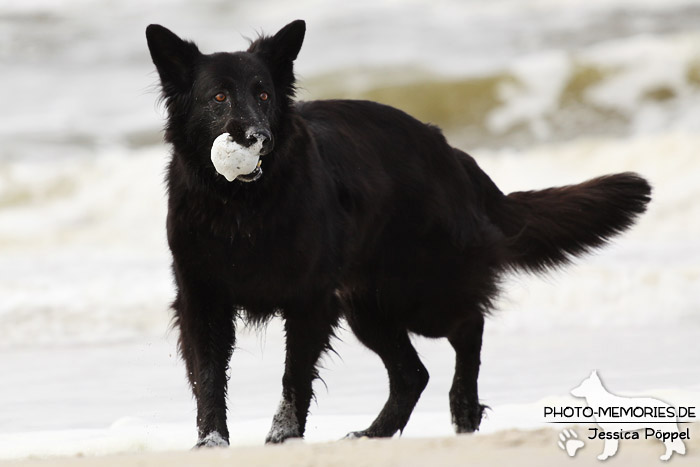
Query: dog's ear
[[173, 57], [284, 46], [279, 52], [289, 39]]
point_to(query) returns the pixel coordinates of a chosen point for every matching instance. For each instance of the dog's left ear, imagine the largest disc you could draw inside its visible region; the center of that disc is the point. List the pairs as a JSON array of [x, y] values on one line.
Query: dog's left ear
[[279, 53], [282, 48], [290, 38]]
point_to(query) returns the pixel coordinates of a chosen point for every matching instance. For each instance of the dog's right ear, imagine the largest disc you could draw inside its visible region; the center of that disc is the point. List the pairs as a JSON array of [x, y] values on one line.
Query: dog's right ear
[[174, 59]]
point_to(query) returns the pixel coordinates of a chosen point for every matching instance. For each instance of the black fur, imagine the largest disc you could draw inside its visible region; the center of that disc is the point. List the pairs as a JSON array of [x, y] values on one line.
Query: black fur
[[362, 213]]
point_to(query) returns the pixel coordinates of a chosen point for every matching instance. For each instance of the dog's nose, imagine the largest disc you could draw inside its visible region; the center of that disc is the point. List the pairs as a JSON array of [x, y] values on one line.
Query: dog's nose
[[261, 135]]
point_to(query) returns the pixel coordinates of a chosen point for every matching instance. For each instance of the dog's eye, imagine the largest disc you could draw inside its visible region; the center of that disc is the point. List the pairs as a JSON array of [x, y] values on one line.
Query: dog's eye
[[263, 96], [220, 97]]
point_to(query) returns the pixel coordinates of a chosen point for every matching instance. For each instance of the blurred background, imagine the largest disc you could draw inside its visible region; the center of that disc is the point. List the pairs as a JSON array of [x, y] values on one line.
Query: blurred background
[[540, 92]]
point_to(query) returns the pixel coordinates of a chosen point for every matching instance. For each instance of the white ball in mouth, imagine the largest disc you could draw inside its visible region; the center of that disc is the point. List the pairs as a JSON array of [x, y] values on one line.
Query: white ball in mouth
[[231, 159]]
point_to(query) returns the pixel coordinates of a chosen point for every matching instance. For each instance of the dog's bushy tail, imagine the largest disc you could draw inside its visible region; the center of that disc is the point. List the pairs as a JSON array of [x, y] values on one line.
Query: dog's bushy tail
[[547, 228]]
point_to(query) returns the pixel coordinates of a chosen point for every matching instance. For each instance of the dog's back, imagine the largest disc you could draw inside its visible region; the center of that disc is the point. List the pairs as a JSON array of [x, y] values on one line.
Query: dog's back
[[385, 161]]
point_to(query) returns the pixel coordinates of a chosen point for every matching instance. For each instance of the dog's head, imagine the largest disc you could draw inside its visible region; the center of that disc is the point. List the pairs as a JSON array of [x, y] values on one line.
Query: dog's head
[[588, 386], [241, 93]]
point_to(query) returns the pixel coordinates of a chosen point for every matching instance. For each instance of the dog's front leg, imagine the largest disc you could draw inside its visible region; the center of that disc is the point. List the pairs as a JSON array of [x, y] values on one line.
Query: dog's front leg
[[207, 336], [308, 329]]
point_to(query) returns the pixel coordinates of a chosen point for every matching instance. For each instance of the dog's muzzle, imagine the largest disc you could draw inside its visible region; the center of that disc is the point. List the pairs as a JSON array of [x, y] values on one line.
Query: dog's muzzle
[[235, 161], [253, 176]]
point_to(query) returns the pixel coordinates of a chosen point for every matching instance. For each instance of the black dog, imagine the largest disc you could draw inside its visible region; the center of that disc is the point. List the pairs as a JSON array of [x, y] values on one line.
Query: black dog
[[362, 213]]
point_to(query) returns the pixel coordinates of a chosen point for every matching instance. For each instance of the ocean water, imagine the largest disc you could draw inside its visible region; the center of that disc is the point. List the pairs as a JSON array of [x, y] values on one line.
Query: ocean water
[[542, 93]]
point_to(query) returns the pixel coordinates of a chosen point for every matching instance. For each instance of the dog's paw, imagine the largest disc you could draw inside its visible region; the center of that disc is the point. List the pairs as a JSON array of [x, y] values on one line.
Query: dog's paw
[[279, 435], [569, 442], [469, 422], [284, 424], [212, 440], [279, 438], [357, 435]]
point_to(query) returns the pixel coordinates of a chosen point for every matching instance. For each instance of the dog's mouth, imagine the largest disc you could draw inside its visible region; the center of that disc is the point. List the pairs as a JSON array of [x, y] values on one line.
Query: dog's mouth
[[253, 176], [235, 161]]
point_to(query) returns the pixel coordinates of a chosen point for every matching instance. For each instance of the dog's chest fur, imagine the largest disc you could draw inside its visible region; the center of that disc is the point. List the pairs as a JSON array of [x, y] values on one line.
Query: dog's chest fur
[[241, 247]]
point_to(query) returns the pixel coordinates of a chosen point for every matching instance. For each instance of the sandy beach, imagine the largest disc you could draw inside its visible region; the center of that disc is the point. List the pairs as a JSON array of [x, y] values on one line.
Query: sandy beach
[[524, 447]]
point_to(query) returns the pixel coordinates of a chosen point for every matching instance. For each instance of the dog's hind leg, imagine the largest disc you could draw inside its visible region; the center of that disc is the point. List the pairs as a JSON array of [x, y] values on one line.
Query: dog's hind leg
[[308, 331], [464, 396], [407, 375]]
